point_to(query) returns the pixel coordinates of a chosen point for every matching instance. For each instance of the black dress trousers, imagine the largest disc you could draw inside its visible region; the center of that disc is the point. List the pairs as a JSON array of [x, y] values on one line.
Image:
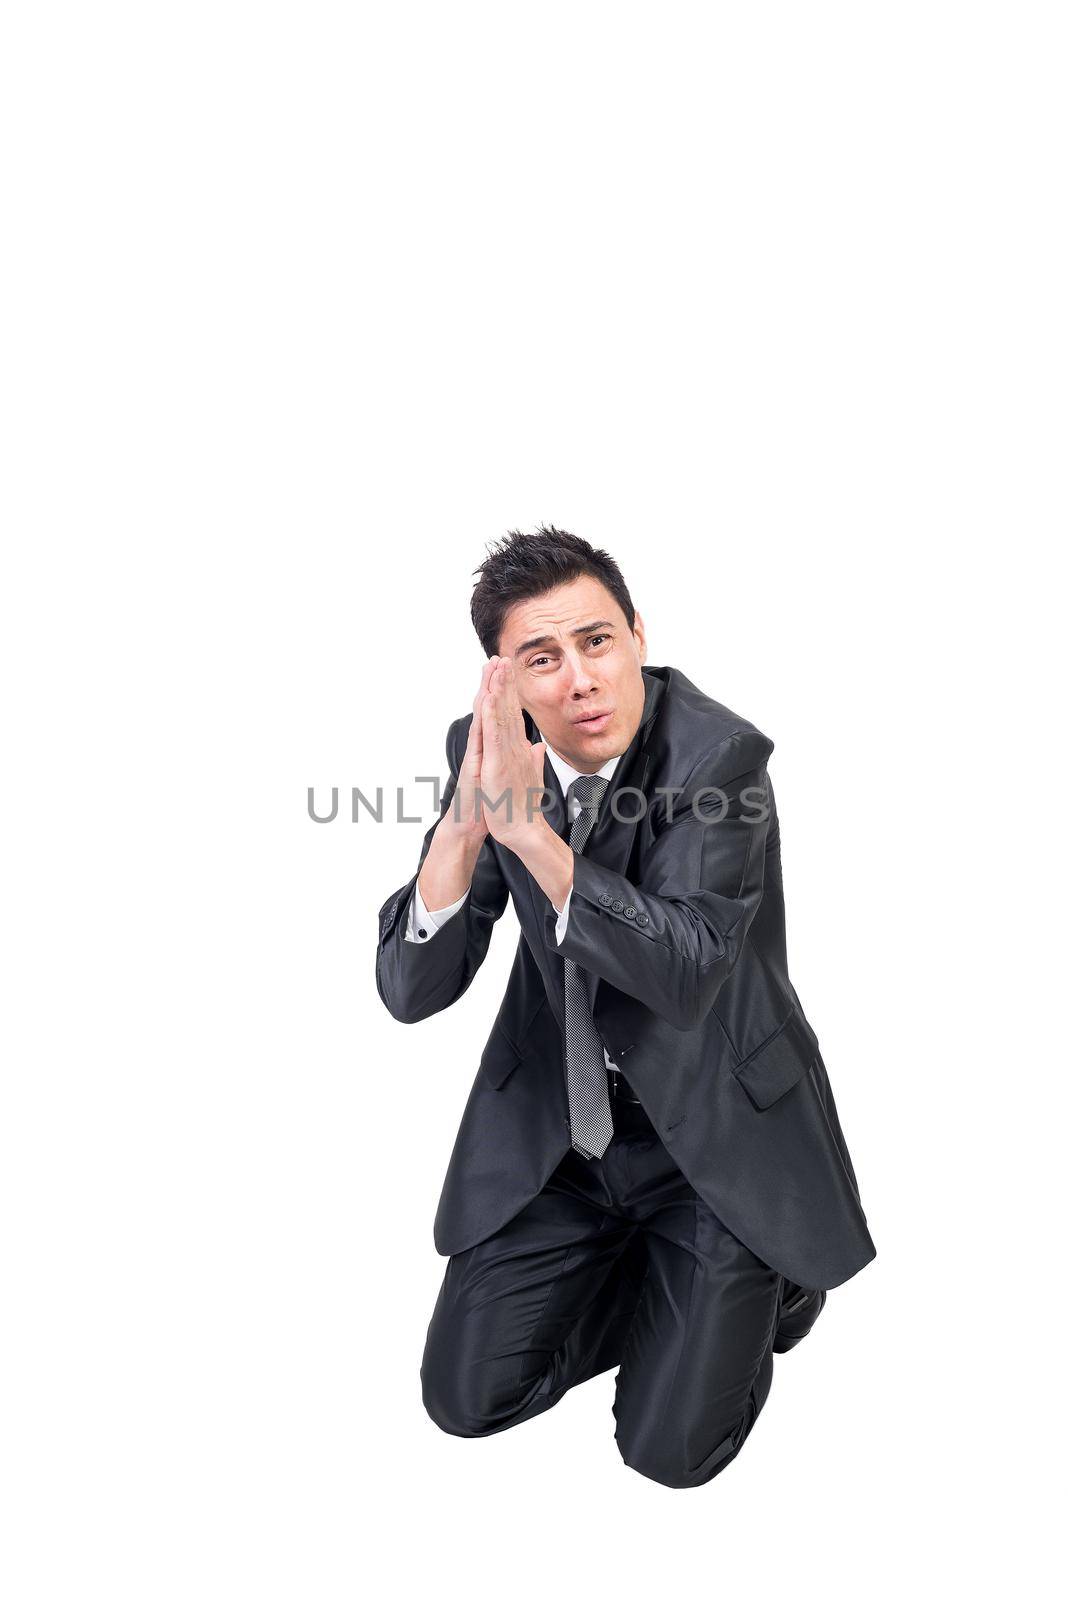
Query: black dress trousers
[[616, 1262]]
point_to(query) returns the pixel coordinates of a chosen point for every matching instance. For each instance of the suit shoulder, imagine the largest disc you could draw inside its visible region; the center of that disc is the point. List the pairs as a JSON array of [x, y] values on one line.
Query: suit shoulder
[[713, 732]]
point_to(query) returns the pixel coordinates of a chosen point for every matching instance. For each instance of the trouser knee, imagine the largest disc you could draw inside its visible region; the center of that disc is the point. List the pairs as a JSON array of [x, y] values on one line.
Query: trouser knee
[[461, 1399], [665, 1460], [665, 1452], [452, 1402]]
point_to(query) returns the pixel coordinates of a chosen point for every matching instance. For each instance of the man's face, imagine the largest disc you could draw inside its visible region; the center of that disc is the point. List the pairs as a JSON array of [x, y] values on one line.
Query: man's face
[[575, 659]]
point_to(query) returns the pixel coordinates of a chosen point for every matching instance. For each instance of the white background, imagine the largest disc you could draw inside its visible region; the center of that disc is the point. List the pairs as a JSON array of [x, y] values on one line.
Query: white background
[[303, 305]]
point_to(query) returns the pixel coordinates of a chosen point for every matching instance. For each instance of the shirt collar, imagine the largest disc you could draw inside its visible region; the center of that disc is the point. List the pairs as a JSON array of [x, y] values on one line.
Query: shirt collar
[[567, 774]]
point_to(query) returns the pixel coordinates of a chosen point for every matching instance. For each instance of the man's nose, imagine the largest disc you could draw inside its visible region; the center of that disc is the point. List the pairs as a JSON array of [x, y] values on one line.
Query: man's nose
[[582, 681]]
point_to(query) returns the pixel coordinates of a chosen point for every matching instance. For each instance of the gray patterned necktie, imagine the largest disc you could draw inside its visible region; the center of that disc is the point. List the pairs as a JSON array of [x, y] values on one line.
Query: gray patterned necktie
[[589, 1104]]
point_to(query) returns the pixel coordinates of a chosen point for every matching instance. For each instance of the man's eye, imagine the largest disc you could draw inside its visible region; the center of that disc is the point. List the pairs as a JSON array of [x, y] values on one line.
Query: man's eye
[[597, 636]]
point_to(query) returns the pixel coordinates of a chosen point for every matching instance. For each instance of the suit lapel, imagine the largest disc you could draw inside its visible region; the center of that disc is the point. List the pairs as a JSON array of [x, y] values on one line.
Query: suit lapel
[[556, 802]]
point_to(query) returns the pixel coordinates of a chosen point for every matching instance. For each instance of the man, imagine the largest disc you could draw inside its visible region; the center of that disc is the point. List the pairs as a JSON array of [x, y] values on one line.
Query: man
[[650, 1171]]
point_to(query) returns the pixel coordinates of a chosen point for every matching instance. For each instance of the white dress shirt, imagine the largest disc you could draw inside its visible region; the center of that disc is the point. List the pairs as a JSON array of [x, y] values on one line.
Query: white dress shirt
[[423, 924]]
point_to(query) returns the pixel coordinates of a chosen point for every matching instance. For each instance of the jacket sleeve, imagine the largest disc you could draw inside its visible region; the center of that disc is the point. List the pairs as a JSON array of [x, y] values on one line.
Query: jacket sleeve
[[417, 978], [671, 941]]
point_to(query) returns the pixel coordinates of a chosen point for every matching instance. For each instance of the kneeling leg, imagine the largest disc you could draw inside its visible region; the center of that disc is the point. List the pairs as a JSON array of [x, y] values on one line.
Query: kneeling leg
[[696, 1369], [540, 1306]]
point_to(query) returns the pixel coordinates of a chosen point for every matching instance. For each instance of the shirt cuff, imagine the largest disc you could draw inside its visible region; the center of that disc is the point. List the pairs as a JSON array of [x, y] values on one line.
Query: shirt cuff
[[561, 916], [424, 924]]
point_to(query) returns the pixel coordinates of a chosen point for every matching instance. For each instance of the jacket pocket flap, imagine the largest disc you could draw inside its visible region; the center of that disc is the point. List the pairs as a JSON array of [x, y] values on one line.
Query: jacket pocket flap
[[778, 1063], [499, 1059]]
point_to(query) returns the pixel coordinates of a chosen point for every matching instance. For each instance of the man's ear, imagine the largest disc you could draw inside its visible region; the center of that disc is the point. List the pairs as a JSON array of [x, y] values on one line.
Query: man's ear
[[639, 633]]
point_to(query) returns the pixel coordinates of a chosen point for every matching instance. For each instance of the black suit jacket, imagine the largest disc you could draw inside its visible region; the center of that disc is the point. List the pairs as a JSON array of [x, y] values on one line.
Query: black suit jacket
[[679, 923]]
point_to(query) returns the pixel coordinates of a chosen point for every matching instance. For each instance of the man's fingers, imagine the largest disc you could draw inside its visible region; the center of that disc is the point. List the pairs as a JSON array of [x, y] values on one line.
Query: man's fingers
[[490, 722], [511, 692], [475, 735], [487, 672], [483, 692], [507, 711], [491, 704]]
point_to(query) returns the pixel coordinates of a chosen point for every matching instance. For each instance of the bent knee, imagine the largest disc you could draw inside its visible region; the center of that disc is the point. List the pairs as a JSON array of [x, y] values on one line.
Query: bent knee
[[451, 1404], [461, 1401], [672, 1455], [666, 1461]]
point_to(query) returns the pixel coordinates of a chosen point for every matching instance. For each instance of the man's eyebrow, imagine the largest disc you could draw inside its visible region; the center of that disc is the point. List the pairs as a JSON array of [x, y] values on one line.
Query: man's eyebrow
[[547, 638]]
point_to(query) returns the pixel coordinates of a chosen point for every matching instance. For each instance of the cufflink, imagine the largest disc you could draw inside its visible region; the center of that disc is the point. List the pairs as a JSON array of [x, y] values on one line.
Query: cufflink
[[422, 933]]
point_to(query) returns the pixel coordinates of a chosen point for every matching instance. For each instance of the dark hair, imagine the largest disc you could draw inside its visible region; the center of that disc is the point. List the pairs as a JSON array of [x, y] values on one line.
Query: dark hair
[[522, 565]]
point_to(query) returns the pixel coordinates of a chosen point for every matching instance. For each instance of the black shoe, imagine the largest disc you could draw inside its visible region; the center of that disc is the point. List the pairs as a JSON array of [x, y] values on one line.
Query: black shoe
[[799, 1310]]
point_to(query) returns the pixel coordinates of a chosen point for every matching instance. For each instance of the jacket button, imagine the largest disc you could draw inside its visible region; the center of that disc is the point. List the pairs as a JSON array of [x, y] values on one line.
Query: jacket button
[[630, 912], [605, 899], [617, 905], [642, 919]]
